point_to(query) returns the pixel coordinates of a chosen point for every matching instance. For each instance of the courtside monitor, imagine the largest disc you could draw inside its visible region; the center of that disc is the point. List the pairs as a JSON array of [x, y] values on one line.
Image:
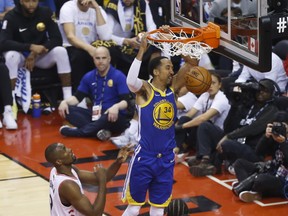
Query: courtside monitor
[[247, 26]]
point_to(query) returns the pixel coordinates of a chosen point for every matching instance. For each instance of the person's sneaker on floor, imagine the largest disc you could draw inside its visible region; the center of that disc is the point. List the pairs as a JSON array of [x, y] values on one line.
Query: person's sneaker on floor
[[249, 196], [9, 121], [202, 169], [1, 124], [193, 161], [103, 135], [231, 170], [66, 130], [179, 158], [120, 141], [234, 184], [47, 109]]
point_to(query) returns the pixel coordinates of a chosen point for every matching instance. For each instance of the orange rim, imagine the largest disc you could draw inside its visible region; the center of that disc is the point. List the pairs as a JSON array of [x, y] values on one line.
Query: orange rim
[[209, 34], [196, 32]]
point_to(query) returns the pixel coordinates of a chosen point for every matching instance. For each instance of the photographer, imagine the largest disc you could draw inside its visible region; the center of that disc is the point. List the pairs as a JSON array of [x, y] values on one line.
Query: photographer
[[246, 123], [265, 179]]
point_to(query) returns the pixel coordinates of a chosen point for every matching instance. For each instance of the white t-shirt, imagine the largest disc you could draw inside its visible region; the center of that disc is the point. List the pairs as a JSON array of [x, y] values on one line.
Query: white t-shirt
[[120, 31], [84, 23], [277, 73], [57, 208], [188, 100], [248, 7], [219, 103]]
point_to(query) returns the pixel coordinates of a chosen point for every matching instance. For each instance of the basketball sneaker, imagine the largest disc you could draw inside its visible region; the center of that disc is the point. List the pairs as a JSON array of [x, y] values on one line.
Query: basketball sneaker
[[103, 135], [9, 121], [68, 131], [234, 184], [249, 196], [1, 124], [179, 158], [203, 169], [193, 161], [231, 170]]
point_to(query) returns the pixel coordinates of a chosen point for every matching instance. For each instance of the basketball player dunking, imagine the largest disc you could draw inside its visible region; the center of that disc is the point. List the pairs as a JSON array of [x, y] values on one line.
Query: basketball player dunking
[[151, 166]]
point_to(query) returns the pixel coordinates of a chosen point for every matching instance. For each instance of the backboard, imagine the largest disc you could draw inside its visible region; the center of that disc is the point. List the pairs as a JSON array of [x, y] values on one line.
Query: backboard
[[246, 27]]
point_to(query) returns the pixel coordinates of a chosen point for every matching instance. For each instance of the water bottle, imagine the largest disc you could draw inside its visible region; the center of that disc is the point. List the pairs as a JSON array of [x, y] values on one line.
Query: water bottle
[[36, 102]]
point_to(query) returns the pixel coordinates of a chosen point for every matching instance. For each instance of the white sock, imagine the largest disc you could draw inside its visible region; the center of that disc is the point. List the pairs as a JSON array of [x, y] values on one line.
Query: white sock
[[156, 211], [133, 126], [7, 108], [131, 210], [67, 92], [83, 104]]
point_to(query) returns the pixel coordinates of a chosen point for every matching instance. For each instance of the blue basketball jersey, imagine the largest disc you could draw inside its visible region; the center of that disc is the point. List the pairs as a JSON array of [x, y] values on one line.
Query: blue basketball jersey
[[156, 120]]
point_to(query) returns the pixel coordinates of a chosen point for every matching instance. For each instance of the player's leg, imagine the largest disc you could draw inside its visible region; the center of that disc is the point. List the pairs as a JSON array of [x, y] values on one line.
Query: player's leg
[[58, 56], [160, 189], [6, 100], [132, 210], [155, 211], [137, 180], [14, 60]]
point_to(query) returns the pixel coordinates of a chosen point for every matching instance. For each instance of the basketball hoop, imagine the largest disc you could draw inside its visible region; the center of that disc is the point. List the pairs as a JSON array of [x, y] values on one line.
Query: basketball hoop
[[193, 42]]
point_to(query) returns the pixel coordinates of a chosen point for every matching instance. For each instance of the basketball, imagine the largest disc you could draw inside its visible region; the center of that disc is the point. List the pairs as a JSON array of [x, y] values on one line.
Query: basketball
[[198, 80], [177, 207]]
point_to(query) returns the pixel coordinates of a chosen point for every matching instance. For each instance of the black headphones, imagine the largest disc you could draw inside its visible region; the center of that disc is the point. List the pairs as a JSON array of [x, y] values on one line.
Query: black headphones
[[277, 91]]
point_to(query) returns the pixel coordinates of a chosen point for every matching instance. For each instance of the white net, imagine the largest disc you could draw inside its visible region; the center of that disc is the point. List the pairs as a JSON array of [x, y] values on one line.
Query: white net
[[178, 44]]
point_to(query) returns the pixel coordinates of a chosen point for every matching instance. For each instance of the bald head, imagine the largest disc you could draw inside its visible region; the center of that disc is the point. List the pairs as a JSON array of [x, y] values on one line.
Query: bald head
[[102, 50], [102, 59]]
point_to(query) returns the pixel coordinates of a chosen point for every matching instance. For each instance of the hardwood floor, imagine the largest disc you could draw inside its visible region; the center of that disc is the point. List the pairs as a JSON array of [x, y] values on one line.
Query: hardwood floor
[[24, 176]]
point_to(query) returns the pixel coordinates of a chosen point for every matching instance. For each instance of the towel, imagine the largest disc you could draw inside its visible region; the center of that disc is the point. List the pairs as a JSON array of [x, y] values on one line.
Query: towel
[[23, 89]]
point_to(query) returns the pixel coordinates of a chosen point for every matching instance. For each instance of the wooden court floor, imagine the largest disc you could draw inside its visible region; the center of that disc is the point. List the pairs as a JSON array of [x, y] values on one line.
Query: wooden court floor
[[24, 176]]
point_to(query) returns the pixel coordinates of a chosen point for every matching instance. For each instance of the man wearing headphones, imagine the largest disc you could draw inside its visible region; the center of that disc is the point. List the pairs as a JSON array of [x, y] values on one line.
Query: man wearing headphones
[[243, 127]]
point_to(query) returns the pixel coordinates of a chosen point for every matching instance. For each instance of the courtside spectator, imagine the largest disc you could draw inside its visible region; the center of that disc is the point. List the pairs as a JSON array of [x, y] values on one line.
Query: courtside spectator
[[81, 23], [30, 38]]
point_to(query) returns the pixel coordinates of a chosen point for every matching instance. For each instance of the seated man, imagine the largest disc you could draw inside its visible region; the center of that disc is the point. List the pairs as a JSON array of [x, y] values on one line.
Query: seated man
[[107, 89], [81, 23], [128, 18], [29, 38]]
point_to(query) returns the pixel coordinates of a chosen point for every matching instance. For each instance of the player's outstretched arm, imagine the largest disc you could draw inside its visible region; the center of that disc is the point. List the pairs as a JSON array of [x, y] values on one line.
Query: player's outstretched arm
[[134, 83], [178, 79], [70, 194], [123, 154], [88, 177]]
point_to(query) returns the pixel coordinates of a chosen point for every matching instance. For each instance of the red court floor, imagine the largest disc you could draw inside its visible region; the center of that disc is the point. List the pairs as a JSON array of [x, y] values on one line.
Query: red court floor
[[209, 195]]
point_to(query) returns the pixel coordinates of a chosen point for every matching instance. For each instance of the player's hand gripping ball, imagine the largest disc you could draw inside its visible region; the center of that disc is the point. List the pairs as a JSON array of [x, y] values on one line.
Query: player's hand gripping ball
[[198, 80]]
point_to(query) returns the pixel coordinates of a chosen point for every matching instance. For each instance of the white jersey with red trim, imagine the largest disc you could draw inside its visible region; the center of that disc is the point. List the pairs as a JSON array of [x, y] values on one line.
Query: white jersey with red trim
[[56, 206]]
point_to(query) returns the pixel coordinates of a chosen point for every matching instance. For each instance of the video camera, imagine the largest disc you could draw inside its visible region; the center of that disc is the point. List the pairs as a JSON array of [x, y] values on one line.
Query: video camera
[[243, 93], [278, 129]]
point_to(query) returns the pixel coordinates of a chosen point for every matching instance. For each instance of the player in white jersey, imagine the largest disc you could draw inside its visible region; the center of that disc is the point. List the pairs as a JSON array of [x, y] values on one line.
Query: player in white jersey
[[66, 193]]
